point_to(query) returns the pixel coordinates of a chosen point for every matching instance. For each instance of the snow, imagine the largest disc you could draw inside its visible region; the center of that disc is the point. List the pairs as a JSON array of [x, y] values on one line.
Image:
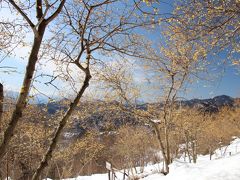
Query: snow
[[226, 151], [218, 169], [223, 166], [93, 177], [156, 120]]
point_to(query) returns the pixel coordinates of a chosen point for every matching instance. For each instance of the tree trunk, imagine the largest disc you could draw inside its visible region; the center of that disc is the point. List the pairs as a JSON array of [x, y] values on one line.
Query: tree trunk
[[21, 102], [194, 148], [47, 157], [187, 146], [194, 152], [161, 146], [168, 160], [1, 103], [210, 153]]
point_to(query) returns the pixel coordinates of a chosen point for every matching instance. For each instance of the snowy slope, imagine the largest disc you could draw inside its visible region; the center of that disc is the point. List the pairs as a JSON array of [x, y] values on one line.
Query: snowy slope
[[224, 166], [218, 169]]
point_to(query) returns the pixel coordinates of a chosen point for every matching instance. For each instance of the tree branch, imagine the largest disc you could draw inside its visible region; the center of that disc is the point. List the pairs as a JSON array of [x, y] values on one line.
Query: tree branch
[[24, 16], [48, 20], [39, 9]]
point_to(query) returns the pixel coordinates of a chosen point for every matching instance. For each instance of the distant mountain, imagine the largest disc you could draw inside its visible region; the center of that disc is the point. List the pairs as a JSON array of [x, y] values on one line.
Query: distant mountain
[[104, 121], [103, 118], [206, 105], [209, 105], [111, 119], [53, 107]]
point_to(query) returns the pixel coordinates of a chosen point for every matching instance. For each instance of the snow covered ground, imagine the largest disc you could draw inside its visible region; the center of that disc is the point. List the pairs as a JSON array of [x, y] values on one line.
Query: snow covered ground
[[225, 165]]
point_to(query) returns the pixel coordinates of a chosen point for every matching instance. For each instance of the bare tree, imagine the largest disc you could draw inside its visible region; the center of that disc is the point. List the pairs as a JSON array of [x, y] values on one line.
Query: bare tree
[[1, 101], [117, 82], [171, 67], [44, 17], [91, 31], [11, 37]]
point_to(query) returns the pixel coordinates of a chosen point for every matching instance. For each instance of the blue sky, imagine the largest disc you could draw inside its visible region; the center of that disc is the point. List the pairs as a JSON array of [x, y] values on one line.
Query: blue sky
[[228, 83], [226, 76]]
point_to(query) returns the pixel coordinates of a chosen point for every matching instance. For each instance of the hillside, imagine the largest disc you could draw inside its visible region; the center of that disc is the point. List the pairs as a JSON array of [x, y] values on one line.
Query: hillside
[[223, 167]]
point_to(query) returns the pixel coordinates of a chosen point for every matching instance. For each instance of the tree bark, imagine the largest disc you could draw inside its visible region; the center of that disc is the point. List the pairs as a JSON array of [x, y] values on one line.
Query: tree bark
[[161, 146], [47, 157], [168, 157], [30, 69], [1, 103], [187, 145], [194, 152], [38, 30]]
